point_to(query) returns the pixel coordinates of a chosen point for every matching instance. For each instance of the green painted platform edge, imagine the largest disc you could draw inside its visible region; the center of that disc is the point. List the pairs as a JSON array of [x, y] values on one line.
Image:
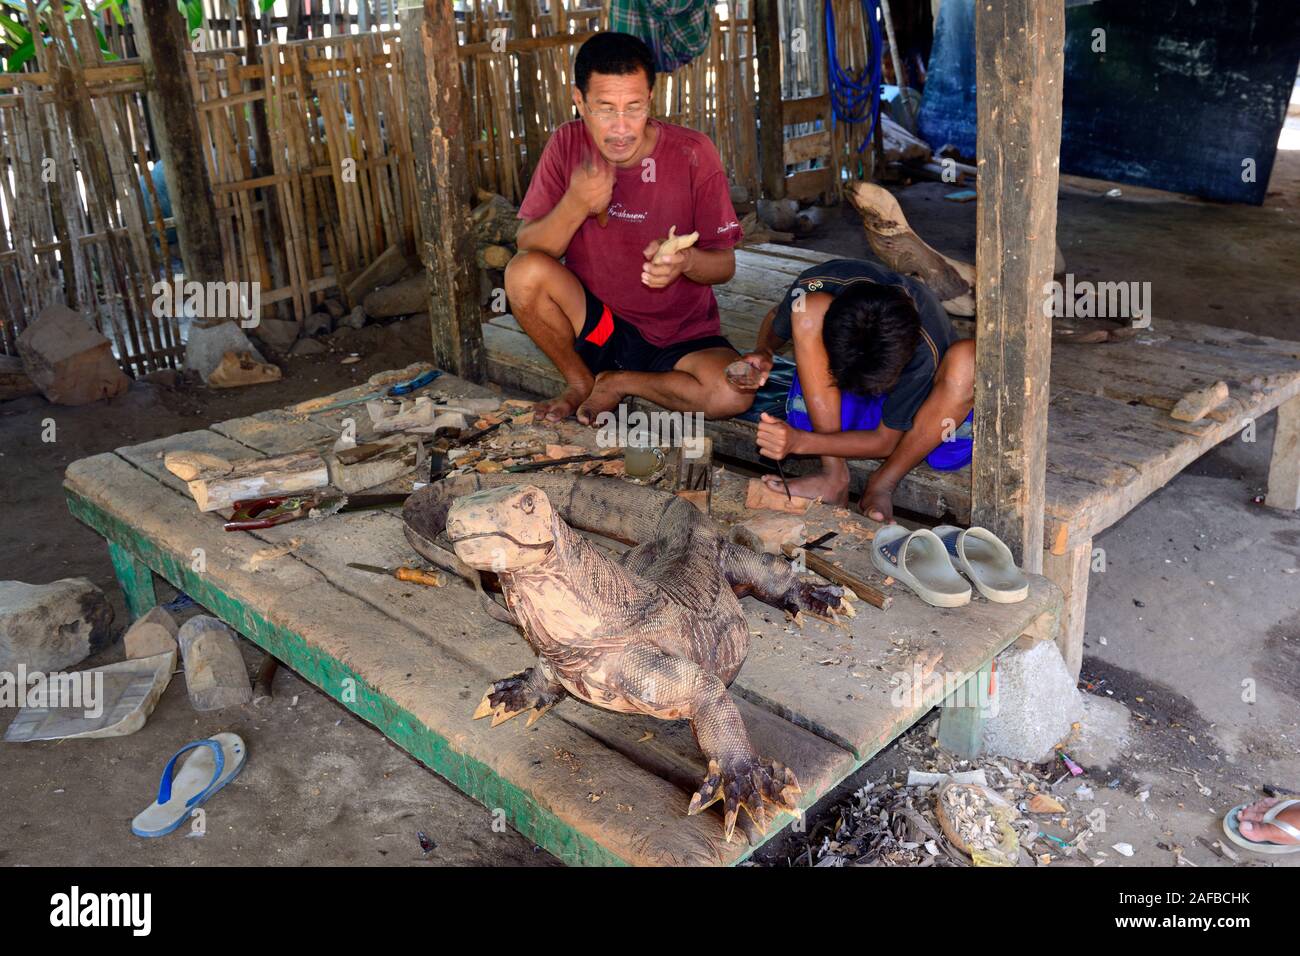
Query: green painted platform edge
[[468, 775]]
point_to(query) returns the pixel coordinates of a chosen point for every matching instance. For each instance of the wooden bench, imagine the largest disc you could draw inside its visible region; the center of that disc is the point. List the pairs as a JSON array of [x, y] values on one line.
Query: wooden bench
[[1111, 441], [591, 787]]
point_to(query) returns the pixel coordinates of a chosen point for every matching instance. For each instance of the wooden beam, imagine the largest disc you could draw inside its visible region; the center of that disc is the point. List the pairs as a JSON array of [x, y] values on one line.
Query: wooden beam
[[1019, 54], [1070, 573], [160, 39], [771, 119], [433, 93]]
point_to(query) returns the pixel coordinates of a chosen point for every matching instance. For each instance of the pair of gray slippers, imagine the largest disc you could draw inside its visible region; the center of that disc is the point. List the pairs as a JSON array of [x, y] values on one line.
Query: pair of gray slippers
[[928, 562]]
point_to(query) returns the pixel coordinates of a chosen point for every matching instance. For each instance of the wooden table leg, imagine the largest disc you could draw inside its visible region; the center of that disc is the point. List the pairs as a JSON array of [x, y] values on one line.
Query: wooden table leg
[[1284, 467], [961, 718], [1069, 572], [136, 579]]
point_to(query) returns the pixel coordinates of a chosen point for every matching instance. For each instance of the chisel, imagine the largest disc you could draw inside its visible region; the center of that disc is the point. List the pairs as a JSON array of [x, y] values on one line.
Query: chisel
[[432, 579]]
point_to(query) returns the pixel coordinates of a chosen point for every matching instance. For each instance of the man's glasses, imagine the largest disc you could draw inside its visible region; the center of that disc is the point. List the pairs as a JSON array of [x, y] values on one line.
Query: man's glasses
[[605, 115]]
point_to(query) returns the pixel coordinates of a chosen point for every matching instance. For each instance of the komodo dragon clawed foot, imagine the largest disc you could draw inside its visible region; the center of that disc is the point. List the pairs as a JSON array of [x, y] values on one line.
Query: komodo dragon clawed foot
[[513, 695], [747, 783]]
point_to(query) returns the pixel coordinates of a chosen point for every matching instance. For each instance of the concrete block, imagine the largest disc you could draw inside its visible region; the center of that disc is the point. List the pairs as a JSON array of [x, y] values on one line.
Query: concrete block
[[1037, 703]]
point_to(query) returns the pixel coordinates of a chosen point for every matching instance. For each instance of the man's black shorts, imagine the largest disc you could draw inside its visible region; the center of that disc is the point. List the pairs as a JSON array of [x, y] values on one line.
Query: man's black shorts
[[607, 342]]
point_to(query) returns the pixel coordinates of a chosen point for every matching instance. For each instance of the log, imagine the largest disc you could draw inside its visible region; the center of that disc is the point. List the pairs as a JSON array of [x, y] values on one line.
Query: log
[[240, 368], [495, 220], [901, 249], [493, 257], [218, 484], [375, 463], [387, 269]]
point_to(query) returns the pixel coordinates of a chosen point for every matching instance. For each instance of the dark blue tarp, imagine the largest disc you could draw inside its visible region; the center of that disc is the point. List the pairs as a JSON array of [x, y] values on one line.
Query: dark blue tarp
[[1185, 91]]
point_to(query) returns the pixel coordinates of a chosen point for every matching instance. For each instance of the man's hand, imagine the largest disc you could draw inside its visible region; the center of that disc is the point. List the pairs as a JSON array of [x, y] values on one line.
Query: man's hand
[[776, 439], [591, 185], [660, 271], [760, 360]]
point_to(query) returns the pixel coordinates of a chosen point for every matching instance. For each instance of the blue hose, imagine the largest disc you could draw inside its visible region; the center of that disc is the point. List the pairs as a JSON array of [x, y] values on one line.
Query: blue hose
[[855, 98]]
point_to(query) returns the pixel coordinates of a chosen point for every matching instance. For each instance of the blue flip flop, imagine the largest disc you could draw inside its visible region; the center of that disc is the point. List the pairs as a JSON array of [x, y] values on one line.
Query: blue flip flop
[[216, 761]]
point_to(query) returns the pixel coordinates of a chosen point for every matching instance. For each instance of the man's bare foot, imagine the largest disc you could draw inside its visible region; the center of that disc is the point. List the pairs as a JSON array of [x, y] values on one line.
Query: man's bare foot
[[605, 396], [878, 504], [562, 406], [1248, 822], [829, 488]]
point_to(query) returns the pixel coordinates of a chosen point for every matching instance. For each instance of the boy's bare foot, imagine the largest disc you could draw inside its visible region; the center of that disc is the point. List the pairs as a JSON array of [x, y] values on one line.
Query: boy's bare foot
[[1248, 822], [605, 396], [878, 503], [562, 406], [831, 489]]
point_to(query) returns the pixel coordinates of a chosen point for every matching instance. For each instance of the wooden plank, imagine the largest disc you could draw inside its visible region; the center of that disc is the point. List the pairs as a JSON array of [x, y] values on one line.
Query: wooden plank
[[801, 149], [1284, 465], [1019, 60], [432, 74], [805, 109]]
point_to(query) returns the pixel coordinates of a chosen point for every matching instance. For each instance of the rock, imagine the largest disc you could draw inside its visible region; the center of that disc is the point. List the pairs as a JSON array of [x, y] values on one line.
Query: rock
[[154, 633], [242, 369], [355, 319], [385, 270], [307, 347], [207, 346], [68, 361], [1036, 706], [739, 194], [278, 334], [166, 377], [47, 627], [14, 380], [778, 214], [402, 298], [215, 675], [318, 323], [335, 308], [808, 220]]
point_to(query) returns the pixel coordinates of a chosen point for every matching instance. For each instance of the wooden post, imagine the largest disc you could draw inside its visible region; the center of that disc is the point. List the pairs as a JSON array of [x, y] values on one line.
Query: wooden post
[[1070, 572], [160, 40], [431, 64], [1019, 47], [1284, 467], [533, 141], [771, 122]]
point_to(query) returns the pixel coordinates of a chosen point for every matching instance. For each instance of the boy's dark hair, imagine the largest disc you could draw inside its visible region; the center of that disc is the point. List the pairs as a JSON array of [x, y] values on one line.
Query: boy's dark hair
[[870, 332], [614, 54]]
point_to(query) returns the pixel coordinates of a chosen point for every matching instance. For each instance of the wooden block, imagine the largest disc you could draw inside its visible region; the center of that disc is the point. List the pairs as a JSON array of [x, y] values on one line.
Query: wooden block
[[241, 368], [67, 360], [374, 463], [759, 496], [776, 530], [698, 498], [230, 481], [564, 451], [1194, 406]]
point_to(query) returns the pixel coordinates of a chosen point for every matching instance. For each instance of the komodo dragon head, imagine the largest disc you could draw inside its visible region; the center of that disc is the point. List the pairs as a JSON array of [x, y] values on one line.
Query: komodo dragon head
[[502, 529]]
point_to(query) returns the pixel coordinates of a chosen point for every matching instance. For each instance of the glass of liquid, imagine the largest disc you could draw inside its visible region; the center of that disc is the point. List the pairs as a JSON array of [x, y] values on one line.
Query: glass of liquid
[[641, 457]]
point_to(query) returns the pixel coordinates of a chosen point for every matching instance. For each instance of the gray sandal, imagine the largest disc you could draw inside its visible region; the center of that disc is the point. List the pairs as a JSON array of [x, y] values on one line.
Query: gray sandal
[[982, 556], [1232, 828], [918, 559]]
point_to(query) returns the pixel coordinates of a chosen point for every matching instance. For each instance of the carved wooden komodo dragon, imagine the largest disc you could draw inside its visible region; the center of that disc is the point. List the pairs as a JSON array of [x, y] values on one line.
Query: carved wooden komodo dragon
[[658, 630]]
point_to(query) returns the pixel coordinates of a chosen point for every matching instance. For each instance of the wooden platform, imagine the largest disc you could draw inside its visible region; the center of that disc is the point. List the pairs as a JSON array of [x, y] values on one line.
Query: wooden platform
[[589, 786], [1111, 441]]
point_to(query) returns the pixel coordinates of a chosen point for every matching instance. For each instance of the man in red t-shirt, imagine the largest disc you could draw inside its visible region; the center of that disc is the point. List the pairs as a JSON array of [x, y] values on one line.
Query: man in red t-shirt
[[616, 318]]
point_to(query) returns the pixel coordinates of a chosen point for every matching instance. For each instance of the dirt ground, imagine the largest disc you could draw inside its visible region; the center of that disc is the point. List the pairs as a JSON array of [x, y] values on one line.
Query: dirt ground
[[1195, 600]]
